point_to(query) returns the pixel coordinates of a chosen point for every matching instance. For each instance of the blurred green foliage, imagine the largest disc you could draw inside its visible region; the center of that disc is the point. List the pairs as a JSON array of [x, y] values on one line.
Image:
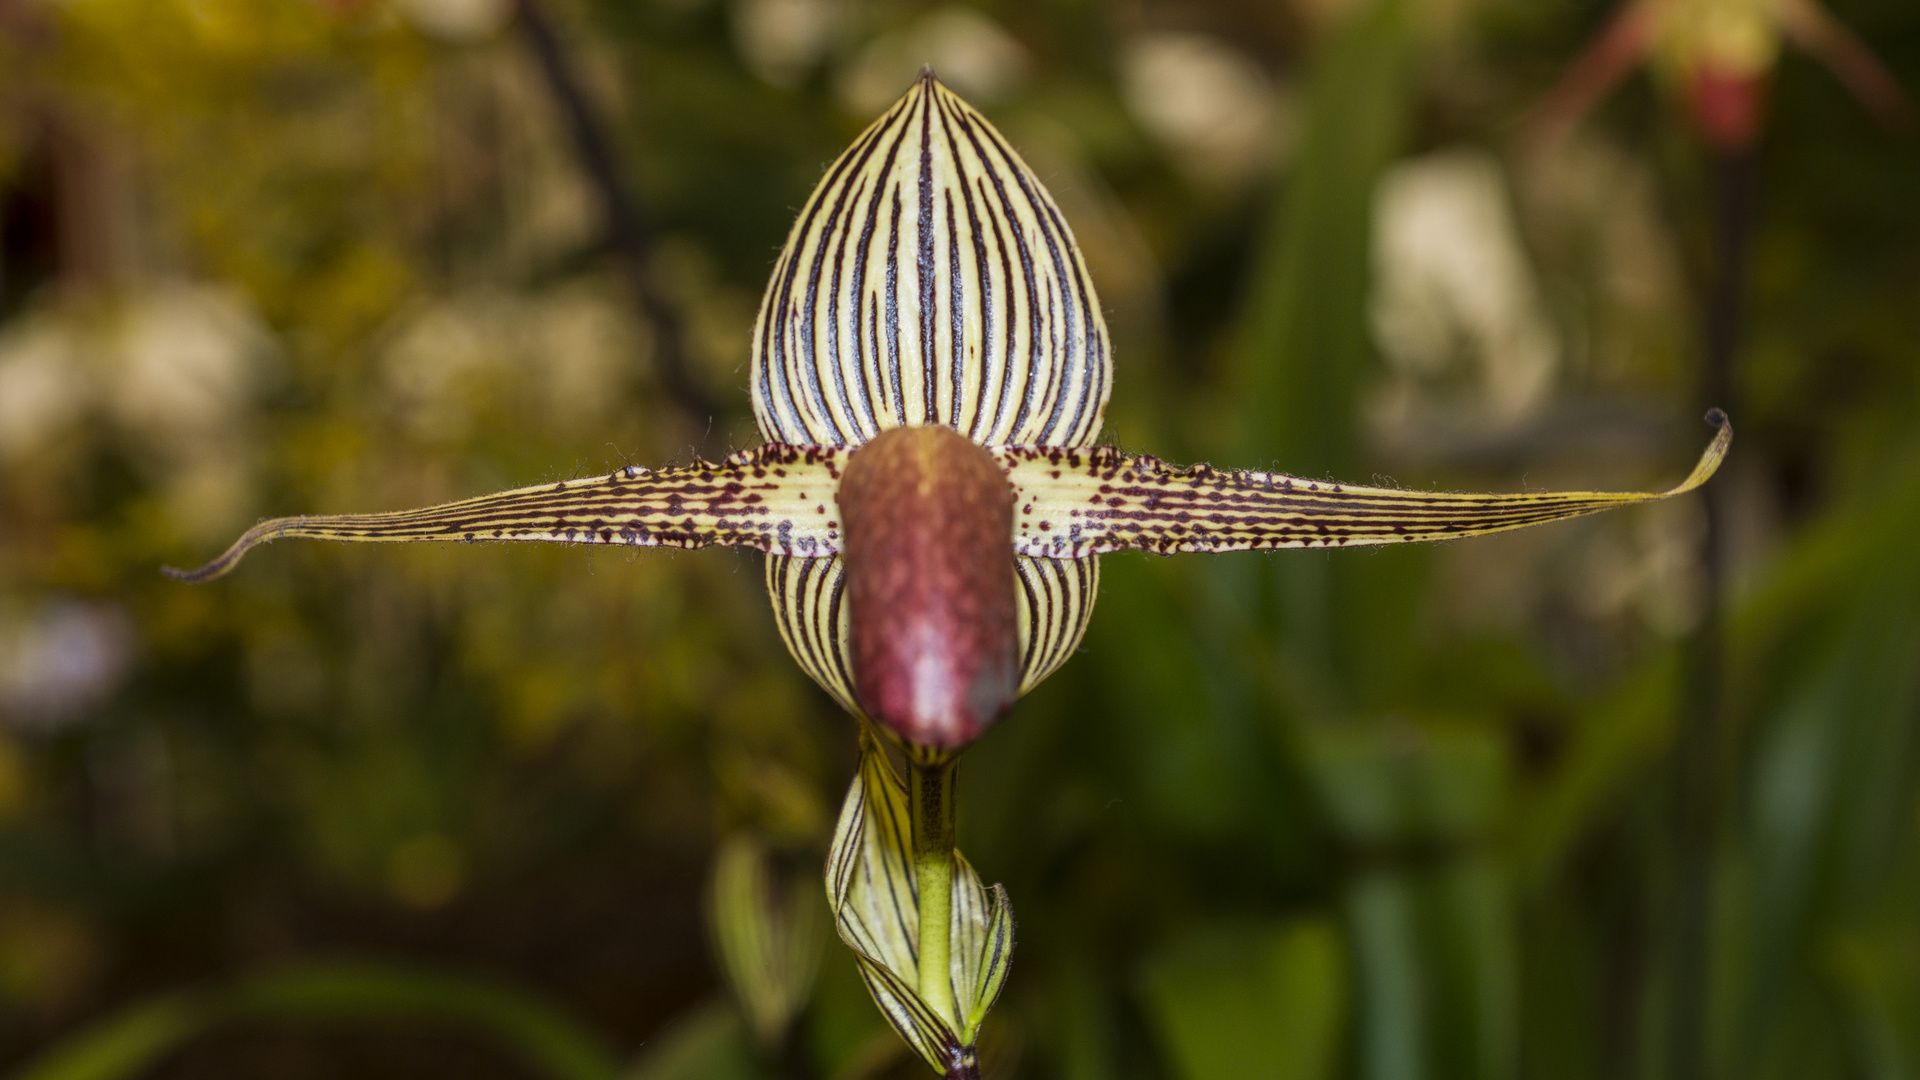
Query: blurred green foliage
[[1388, 815], [131, 1044]]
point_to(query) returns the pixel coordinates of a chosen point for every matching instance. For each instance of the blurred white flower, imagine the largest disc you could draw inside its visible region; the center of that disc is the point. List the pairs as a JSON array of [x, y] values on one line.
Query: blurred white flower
[[1595, 210], [1650, 569], [174, 365], [1452, 282], [972, 54], [436, 356], [189, 361], [583, 343], [782, 40], [61, 660], [42, 386], [1208, 103], [185, 363], [558, 351], [456, 21]]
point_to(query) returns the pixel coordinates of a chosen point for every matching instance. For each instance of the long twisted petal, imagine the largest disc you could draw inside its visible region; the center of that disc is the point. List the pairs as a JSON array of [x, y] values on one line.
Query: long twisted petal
[[1073, 503], [1597, 70], [775, 498], [1079, 503], [1829, 41]]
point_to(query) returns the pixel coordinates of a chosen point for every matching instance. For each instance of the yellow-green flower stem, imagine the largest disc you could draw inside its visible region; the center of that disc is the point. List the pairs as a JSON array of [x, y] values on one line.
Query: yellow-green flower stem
[[930, 796]]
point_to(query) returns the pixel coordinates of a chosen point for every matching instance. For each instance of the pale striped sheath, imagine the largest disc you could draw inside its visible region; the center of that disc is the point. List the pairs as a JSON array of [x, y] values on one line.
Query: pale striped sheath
[[930, 279]]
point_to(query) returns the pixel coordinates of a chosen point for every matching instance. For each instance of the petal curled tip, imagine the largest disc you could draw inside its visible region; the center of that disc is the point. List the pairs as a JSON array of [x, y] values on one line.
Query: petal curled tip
[[776, 498], [1711, 457], [218, 568]]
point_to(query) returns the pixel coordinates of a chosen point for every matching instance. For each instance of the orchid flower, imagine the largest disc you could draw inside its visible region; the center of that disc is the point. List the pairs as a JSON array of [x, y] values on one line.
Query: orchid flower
[[1720, 54], [930, 369]]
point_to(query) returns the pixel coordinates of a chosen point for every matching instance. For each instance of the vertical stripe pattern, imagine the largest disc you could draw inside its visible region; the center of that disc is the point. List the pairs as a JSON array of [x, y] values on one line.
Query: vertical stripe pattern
[[1056, 600], [930, 279], [1055, 597], [810, 605]]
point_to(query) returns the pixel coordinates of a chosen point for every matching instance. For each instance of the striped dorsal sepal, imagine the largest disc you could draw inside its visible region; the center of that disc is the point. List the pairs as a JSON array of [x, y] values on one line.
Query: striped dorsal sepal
[[774, 498], [1088, 502], [930, 279]]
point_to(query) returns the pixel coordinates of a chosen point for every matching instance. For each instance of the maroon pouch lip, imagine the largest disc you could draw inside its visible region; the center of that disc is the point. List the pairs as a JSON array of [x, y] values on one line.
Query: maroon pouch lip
[[927, 524]]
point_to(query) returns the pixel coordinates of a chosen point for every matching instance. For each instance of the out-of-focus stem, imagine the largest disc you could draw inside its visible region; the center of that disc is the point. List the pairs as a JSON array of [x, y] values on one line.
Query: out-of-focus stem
[[930, 793], [628, 231], [1699, 755], [794, 1056]]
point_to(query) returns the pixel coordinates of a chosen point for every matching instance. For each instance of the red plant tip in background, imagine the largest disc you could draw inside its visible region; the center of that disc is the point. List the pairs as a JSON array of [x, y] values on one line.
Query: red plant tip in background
[[926, 513], [1728, 107], [1719, 56]]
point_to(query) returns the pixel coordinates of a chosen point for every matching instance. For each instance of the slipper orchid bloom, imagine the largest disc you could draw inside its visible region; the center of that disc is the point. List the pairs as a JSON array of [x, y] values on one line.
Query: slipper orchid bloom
[[930, 368], [1720, 54]]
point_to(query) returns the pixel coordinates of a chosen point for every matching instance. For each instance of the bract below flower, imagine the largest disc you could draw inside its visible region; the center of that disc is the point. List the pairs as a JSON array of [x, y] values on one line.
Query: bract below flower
[[1720, 56]]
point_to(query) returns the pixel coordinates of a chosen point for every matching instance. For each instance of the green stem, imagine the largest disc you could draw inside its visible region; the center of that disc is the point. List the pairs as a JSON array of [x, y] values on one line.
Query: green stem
[[930, 794]]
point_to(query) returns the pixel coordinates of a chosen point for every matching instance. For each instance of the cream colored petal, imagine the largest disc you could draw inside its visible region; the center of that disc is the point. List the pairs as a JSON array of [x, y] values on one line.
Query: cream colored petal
[[774, 498], [1079, 503]]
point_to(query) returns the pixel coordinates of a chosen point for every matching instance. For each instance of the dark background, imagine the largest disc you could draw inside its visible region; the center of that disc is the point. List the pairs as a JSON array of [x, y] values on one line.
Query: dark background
[[1501, 808]]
